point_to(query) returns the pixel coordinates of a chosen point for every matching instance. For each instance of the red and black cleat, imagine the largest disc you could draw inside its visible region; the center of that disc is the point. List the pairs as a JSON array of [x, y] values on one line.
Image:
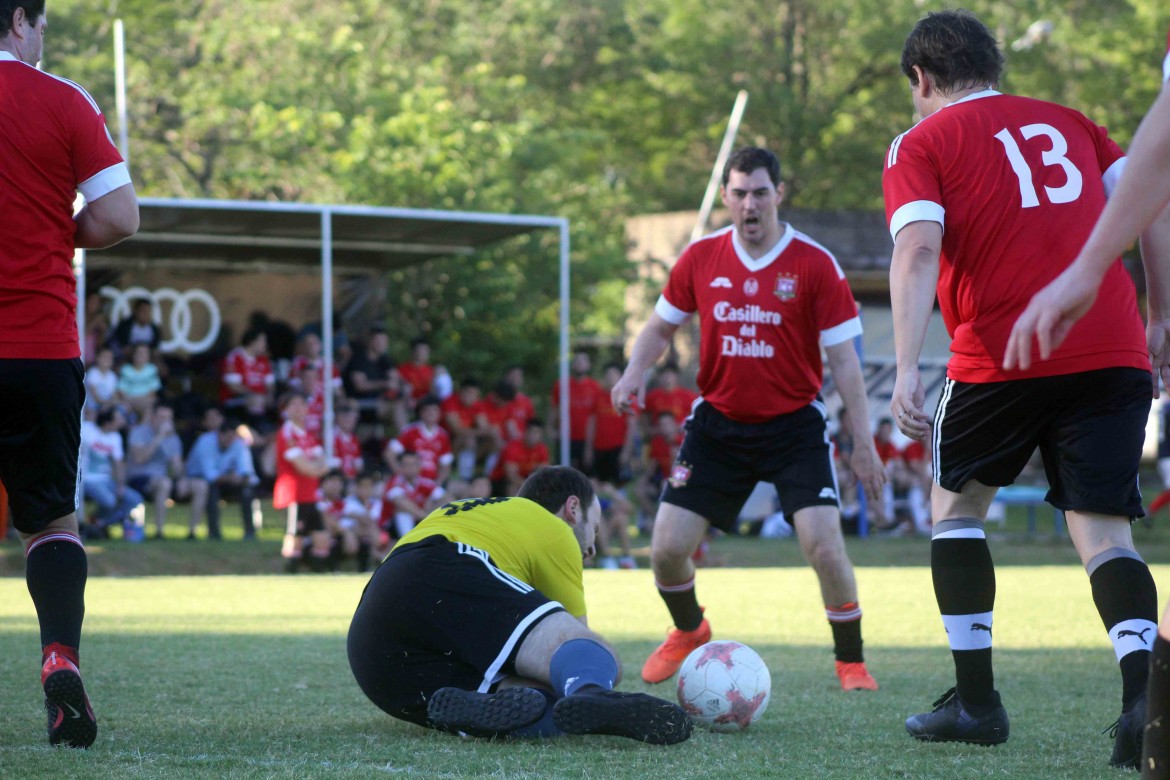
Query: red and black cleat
[[70, 717]]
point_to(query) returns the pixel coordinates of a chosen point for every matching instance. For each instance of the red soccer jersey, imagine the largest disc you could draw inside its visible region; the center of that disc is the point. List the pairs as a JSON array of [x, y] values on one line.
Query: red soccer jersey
[[612, 426], [761, 321], [528, 459], [914, 452], [583, 395], [300, 363], [433, 447], [315, 413], [886, 450], [663, 453], [56, 144], [293, 487], [677, 401], [419, 492], [1017, 185], [420, 377], [466, 414], [254, 373], [347, 450]]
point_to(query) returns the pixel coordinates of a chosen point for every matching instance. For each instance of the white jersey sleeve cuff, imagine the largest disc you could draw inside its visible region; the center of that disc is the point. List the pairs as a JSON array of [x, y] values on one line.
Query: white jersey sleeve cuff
[[848, 329], [1112, 176], [105, 182], [669, 312], [916, 211]]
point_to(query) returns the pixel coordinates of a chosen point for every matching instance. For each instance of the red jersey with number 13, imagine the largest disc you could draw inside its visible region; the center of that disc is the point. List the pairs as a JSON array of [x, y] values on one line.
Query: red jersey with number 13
[[1017, 185], [762, 322]]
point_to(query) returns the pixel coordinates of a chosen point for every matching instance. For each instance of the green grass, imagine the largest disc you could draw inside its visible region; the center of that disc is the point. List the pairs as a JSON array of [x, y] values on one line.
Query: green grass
[[246, 676]]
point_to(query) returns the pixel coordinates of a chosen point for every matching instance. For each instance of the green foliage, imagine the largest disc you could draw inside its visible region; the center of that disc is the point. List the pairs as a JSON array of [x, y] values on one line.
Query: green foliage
[[594, 111]]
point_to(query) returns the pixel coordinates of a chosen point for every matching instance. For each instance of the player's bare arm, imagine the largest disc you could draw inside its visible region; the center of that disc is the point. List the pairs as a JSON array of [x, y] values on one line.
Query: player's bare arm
[[1141, 194], [913, 278], [846, 371], [107, 220], [648, 347]]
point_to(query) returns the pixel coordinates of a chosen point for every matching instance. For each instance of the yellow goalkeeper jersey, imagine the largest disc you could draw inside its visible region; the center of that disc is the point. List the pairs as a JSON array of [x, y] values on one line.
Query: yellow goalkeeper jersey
[[523, 539]]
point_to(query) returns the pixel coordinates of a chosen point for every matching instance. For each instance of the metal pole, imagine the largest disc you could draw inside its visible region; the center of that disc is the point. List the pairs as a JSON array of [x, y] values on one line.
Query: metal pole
[[720, 160], [79, 274], [564, 373], [327, 327], [120, 88]]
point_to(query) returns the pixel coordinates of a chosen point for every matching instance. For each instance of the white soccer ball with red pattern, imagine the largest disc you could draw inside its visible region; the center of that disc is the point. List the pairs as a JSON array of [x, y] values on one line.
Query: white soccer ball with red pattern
[[724, 686]]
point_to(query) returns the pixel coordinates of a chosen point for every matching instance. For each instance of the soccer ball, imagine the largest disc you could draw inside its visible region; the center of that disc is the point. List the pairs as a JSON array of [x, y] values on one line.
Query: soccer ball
[[724, 686]]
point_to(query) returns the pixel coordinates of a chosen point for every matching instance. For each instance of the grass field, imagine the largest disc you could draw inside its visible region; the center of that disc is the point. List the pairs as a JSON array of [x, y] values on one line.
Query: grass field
[[246, 676]]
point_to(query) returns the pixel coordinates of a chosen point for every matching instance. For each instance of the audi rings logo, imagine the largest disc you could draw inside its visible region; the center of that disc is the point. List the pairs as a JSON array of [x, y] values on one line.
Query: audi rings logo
[[181, 319]]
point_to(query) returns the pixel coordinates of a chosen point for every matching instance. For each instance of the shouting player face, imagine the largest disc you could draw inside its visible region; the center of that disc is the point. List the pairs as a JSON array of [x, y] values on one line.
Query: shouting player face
[[752, 199]]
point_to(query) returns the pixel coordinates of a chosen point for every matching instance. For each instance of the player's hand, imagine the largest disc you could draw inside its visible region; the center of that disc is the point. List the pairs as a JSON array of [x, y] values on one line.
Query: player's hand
[[868, 470], [1158, 342], [907, 405], [1050, 315], [629, 393]]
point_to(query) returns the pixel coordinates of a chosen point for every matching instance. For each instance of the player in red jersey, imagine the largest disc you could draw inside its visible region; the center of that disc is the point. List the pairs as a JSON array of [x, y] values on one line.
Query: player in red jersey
[[989, 197], [521, 408], [768, 298], [465, 418], [583, 393], [300, 463], [347, 448], [429, 440], [519, 459], [309, 359], [247, 379], [1139, 205], [409, 496], [55, 145], [417, 373], [669, 395]]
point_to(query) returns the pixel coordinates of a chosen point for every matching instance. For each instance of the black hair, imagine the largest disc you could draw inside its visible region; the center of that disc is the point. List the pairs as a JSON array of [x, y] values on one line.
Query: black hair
[[428, 400], [551, 486], [750, 158], [105, 415], [956, 49], [535, 422], [505, 391], [250, 335]]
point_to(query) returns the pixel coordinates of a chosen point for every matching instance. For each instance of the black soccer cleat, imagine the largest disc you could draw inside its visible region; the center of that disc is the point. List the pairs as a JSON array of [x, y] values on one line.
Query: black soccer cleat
[[633, 715], [486, 714], [952, 721], [1127, 733], [70, 718]]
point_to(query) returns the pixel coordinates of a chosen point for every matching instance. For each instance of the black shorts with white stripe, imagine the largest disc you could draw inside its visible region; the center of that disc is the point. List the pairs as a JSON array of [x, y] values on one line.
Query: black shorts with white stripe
[[439, 614], [40, 438], [1089, 427], [721, 460]]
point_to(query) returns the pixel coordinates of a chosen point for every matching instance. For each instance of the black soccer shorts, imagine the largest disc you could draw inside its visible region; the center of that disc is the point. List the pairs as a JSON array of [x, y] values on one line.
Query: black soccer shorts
[[721, 460], [436, 614], [40, 438], [1089, 426]]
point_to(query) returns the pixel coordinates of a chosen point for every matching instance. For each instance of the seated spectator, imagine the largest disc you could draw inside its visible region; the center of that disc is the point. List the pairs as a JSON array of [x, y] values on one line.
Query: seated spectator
[[520, 409], [300, 464], [101, 380], [499, 412], [408, 497], [418, 375], [309, 358], [341, 347], [138, 328], [583, 393], [347, 448], [917, 472], [613, 442], [669, 396], [139, 382], [465, 418], [247, 380], [220, 465], [331, 505], [660, 456], [156, 461], [97, 326], [427, 439], [842, 442], [103, 471], [885, 517], [372, 378], [360, 517], [519, 459]]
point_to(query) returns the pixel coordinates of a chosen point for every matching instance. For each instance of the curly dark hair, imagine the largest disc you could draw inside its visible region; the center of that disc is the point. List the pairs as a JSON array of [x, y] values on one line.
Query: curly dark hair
[[33, 10], [551, 486], [956, 49]]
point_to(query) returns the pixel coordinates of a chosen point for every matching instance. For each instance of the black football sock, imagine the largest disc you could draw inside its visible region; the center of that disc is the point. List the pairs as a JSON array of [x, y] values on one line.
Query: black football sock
[[964, 585], [1156, 740], [683, 604], [1127, 601], [845, 620], [56, 570]]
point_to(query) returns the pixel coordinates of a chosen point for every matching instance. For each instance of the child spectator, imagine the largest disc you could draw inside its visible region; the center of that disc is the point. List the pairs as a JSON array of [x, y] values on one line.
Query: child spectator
[[583, 393], [669, 395], [409, 497], [360, 517], [101, 380], [300, 463], [347, 448], [519, 459], [331, 505], [426, 438], [309, 359], [418, 375], [139, 382], [103, 469], [465, 418], [661, 454]]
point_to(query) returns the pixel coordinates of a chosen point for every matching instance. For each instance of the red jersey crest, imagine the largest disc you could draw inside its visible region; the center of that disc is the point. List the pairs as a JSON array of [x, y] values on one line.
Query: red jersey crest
[[679, 475], [786, 286]]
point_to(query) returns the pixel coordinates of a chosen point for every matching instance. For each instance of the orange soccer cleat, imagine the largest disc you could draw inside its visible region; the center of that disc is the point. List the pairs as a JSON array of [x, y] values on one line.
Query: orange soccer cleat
[[668, 656], [855, 677], [70, 717]]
